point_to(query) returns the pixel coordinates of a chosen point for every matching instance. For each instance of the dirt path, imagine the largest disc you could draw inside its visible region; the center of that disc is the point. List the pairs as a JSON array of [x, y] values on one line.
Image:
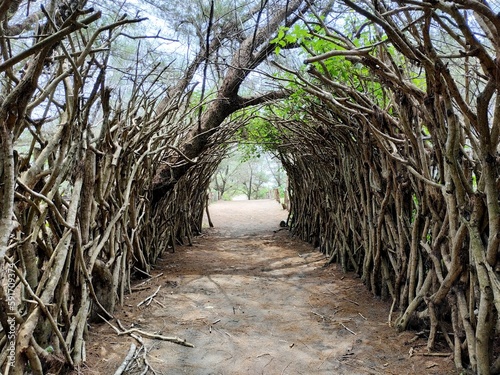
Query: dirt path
[[255, 301]]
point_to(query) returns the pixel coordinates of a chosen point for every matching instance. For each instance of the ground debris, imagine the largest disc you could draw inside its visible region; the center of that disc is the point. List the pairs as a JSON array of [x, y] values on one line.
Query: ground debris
[[296, 317]]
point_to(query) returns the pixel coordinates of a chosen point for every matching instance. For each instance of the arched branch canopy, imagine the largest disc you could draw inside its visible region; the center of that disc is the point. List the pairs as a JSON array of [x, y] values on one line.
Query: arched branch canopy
[[385, 115]]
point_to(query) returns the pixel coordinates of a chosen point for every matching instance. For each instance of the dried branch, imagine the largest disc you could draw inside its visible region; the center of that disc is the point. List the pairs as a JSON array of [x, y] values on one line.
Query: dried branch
[[50, 40]]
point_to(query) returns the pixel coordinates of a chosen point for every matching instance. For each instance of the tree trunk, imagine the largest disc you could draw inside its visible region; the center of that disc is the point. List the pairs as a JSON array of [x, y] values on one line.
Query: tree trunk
[[252, 52]]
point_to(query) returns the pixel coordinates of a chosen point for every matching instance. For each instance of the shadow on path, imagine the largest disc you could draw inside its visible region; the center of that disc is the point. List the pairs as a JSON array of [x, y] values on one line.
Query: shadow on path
[[253, 300]]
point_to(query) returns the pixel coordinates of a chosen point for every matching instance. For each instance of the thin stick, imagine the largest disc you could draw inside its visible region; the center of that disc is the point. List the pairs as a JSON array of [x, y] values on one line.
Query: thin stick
[[347, 299], [127, 360], [350, 300], [175, 340], [326, 358], [118, 332], [342, 324], [262, 355], [389, 319], [159, 303], [282, 372], [148, 280], [361, 315], [149, 299], [321, 316], [111, 325], [143, 272], [434, 354]]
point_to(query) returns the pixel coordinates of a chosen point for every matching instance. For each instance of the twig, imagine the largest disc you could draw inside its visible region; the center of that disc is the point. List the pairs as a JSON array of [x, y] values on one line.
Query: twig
[[321, 316], [268, 362], [50, 40], [175, 340], [326, 358], [139, 288], [149, 299], [282, 372], [131, 332], [111, 325], [434, 354], [148, 280], [262, 355], [148, 366], [342, 324], [347, 299], [190, 161], [389, 319], [120, 370], [159, 303], [413, 339], [361, 315], [350, 300], [138, 338], [144, 273], [149, 37]]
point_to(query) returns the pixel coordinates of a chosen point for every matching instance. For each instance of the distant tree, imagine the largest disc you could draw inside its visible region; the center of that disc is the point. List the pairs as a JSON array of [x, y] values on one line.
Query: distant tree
[[251, 177], [223, 179], [276, 170], [242, 173]]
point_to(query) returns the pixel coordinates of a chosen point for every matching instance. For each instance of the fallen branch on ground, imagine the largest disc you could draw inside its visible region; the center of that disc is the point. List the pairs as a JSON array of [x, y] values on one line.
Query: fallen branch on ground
[[149, 299], [434, 354], [343, 325], [130, 356], [138, 335], [148, 280], [175, 340]]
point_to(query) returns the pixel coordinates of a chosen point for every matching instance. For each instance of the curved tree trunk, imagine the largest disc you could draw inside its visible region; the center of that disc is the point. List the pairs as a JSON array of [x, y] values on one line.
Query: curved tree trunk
[[254, 49]]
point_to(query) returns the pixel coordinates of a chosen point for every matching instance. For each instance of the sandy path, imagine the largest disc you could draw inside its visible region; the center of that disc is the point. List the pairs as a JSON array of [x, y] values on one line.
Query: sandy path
[[255, 301]]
